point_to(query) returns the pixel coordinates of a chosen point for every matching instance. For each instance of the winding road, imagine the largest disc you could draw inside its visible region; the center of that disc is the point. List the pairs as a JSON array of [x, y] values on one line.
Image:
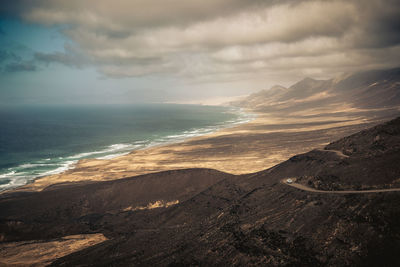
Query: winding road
[[309, 189]]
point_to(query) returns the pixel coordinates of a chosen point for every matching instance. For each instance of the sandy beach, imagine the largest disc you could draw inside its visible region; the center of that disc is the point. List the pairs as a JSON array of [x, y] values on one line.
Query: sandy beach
[[246, 148]]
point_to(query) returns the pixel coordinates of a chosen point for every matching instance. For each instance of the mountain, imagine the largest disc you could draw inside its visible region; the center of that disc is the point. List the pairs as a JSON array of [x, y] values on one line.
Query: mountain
[[216, 218], [376, 89], [260, 98], [372, 89]]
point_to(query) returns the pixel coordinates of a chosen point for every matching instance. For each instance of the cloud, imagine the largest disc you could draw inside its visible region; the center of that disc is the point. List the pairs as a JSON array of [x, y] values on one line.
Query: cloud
[[220, 38], [19, 67], [121, 15], [11, 62], [7, 55], [69, 57]]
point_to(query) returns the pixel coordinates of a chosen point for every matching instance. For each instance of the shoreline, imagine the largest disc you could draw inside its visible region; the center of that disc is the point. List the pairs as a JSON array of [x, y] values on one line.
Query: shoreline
[[243, 116], [243, 148]]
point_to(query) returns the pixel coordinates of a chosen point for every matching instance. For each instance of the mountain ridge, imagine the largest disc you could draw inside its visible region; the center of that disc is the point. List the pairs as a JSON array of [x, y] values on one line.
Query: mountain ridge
[[362, 90], [250, 219]]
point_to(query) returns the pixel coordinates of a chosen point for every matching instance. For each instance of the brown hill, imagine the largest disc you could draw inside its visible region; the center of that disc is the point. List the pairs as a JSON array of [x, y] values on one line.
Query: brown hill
[[223, 219], [363, 90]]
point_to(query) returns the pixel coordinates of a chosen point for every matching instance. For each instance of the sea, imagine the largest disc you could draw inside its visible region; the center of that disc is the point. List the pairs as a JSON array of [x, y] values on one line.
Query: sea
[[37, 141]]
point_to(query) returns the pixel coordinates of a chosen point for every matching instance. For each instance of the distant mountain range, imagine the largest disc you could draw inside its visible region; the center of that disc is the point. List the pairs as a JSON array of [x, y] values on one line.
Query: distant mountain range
[[364, 90]]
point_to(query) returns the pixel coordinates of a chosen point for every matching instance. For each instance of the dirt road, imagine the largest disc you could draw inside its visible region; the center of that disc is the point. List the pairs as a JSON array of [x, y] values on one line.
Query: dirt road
[[309, 189]]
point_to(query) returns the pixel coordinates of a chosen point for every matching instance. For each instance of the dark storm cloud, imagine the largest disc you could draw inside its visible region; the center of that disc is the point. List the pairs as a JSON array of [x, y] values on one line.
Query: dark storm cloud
[[378, 24], [211, 37]]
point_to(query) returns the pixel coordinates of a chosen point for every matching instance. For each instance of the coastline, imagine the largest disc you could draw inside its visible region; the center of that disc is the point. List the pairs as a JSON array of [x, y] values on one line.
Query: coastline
[[243, 148], [117, 150]]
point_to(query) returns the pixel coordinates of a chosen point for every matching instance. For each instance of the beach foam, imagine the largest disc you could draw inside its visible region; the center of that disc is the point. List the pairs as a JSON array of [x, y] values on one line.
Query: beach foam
[[108, 150], [27, 172]]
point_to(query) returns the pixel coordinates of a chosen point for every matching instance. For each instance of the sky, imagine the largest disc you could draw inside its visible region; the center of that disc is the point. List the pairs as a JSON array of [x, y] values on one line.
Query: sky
[[185, 51]]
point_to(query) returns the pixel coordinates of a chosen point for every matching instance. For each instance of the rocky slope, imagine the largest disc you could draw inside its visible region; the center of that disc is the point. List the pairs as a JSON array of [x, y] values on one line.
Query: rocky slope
[[375, 89], [216, 218]]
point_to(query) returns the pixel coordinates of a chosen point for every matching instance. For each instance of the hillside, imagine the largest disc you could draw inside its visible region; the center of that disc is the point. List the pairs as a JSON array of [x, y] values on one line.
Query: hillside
[[359, 92], [216, 218]]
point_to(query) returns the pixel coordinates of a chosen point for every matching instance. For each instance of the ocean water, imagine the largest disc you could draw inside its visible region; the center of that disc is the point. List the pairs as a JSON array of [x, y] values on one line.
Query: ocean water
[[37, 141]]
